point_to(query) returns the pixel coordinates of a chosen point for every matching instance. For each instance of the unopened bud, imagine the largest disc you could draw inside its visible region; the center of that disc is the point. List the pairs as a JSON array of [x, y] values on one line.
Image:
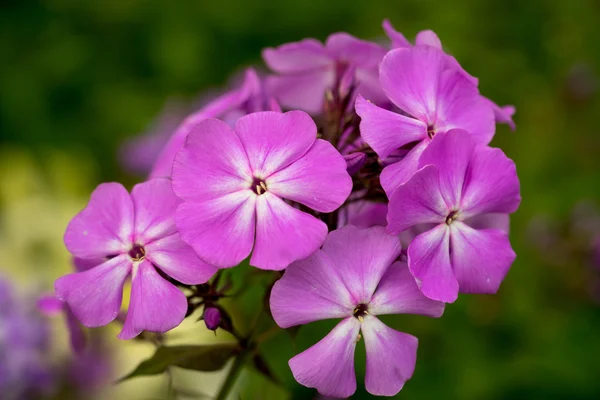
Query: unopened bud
[[212, 318]]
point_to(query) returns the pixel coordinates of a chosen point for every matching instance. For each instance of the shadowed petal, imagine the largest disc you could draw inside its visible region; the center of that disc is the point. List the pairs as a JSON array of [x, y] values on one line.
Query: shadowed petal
[[95, 295], [304, 91], [387, 131], [156, 305], [104, 227], [418, 201], [155, 205], [221, 230], [489, 221], [296, 57], [492, 184], [391, 357], [363, 214], [361, 257], [274, 140], [361, 53], [429, 263], [398, 293], [179, 261], [318, 179], [310, 290], [399, 172], [212, 163], [283, 233], [328, 366], [480, 258]]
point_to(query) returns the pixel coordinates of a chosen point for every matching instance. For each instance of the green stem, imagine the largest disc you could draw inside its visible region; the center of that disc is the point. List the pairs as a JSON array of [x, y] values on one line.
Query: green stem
[[232, 376]]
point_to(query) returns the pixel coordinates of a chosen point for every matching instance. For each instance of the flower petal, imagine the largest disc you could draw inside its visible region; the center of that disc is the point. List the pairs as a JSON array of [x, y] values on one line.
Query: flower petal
[[399, 172], [459, 105], [318, 179], [398, 293], [504, 114], [310, 290], [451, 153], [104, 227], [155, 204], [410, 79], [328, 366], [283, 233], [429, 263], [274, 140], [156, 305], [296, 57], [386, 131], [363, 214], [489, 221], [347, 48], [221, 230], [418, 201], [212, 163], [178, 260], [361, 257], [50, 305], [480, 258], [83, 264], [391, 357], [492, 184], [428, 38], [398, 40], [95, 295], [303, 91]]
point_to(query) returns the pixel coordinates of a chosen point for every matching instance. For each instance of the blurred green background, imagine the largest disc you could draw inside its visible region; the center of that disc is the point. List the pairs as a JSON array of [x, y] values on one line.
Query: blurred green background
[[79, 77]]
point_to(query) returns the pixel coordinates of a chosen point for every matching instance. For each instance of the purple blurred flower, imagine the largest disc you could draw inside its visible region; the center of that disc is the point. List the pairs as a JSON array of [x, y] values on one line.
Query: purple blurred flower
[[212, 318], [249, 97], [436, 98], [502, 115], [457, 181], [307, 69], [354, 277], [135, 235], [234, 182]]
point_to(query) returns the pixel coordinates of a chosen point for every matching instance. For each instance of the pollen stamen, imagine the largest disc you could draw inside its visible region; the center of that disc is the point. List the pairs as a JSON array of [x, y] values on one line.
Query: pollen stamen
[[258, 186]]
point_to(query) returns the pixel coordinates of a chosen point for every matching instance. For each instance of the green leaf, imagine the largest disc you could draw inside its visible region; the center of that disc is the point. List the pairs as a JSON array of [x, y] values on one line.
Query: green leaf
[[197, 358]]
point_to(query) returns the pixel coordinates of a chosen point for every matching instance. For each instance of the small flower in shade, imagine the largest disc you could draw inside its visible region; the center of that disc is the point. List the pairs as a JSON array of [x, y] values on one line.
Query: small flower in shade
[[249, 97], [234, 182], [354, 277], [308, 69], [212, 318], [458, 180], [134, 235], [503, 115], [436, 99]]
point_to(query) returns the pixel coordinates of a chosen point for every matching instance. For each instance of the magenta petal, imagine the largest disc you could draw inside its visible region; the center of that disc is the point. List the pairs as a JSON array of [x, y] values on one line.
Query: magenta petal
[[354, 162], [221, 230], [492, 185], [361, 256], [318, 179], [428, 38], [480, 258], [398, 293], [386, 131], [391, 357], [297, 57], [459, 105], [363, 214], [83, 264], [283, 233], [398, 39], [429, 263], [50, 305], [399, 172], [504, 114], [450, 152], [360, 53], [328, 366], [418, 201], [156, 305], [274, 140], [95, 295], [310, 290], [178, 260], [304, 91], [410, 77], [77, 337], [212, 163], [155, 205], [104, 227], [489, 221]]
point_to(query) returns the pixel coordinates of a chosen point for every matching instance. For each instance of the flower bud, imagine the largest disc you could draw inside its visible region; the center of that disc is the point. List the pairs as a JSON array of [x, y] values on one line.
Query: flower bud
[[212, 318]]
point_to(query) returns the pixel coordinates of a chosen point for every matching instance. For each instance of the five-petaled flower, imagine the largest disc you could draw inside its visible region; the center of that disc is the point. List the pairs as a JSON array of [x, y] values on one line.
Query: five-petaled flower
[[355, 277], [132, 235], [234, 182], [458, 180]]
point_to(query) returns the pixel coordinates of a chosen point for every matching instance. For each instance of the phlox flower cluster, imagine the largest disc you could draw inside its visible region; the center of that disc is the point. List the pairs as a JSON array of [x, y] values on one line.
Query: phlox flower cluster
[[359, 173]]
